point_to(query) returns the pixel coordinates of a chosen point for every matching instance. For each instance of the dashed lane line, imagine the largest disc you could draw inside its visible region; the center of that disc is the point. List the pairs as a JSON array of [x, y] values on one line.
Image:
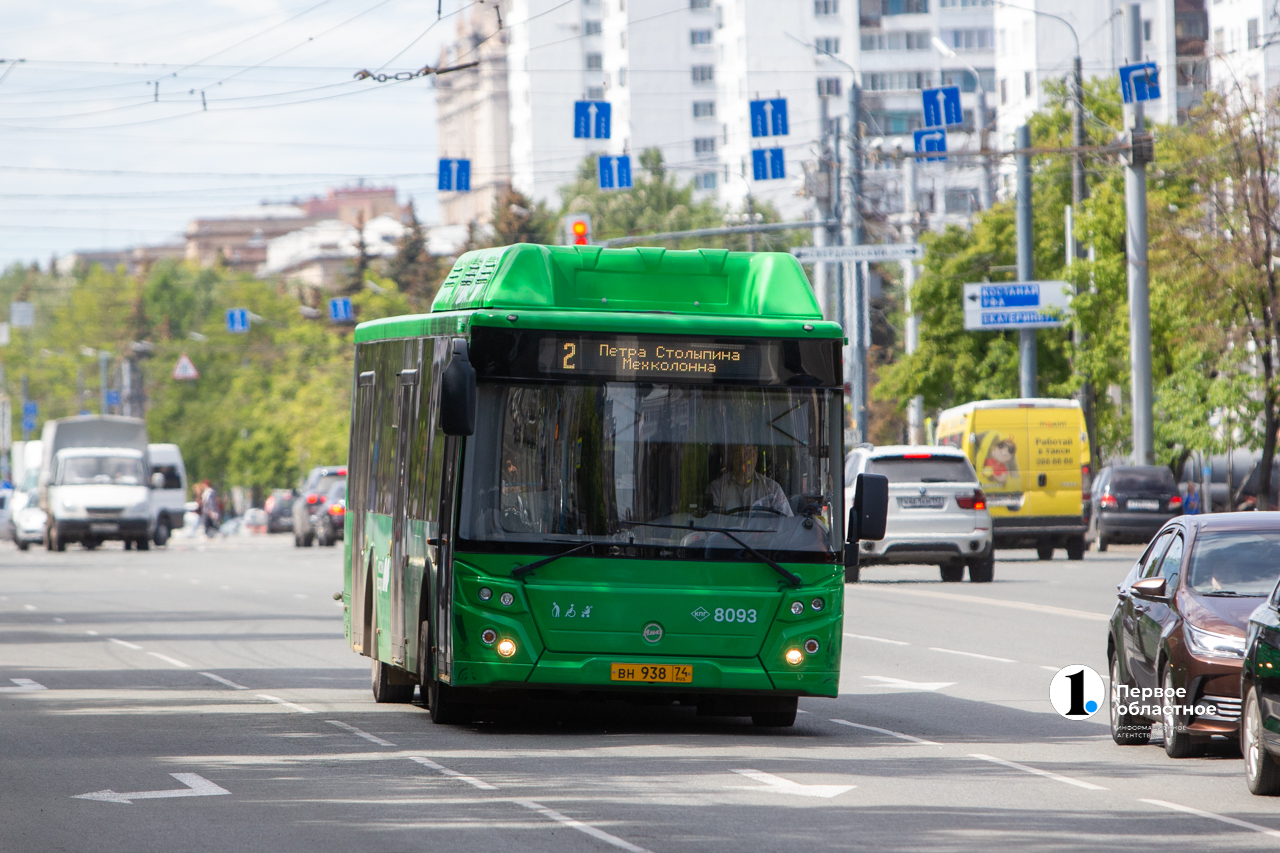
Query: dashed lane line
[[594, 832], [127, 645], [1243, 824], [470, 780], [224, 681], [878, 639], [1088, 786], [971, 655], [889, 732], [299, 708], [360, 733], [170, 660]]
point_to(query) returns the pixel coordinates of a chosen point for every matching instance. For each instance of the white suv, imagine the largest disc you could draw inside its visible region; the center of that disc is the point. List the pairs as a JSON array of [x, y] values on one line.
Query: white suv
[[937, 511]]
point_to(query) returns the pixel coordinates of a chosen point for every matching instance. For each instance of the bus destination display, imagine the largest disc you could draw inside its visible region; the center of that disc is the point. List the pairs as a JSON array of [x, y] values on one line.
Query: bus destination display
[[648, 357]]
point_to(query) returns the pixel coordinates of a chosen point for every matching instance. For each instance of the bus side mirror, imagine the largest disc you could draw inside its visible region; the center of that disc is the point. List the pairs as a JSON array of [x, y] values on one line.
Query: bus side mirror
[[458, 393], [870, 510]]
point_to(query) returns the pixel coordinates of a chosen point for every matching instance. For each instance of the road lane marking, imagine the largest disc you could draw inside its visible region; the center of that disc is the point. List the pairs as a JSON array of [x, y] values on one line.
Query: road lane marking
[[1088, 786], [197, 786], [280, 701], [1050, 668], [878, 639], [1244, 824], [92, 633], [786, 786], [360, 733], [123, 643], [228, 682], [994, 602], [29, 607], [59, 620], [599, 834], [25, 685], [908, 685], [168, 659], [470, 780], [972, 655], [889, 732]]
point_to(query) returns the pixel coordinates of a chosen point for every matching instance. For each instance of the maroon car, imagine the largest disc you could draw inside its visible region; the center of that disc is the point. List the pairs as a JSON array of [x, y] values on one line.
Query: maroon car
[[1177, 636]]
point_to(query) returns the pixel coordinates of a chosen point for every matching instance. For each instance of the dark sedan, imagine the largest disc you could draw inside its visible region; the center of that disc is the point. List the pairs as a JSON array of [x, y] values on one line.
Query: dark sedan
[[331, 520], [1260, 688], [1177, 637], [1129, 503]]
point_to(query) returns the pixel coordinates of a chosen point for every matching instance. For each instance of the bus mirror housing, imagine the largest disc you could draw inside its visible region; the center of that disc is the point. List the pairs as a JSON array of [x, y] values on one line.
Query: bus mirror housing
[[458, 393], [870, 510]]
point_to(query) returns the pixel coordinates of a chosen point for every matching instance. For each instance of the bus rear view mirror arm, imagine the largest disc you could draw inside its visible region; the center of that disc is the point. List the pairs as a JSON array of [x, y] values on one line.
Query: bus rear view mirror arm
[[458, 393]]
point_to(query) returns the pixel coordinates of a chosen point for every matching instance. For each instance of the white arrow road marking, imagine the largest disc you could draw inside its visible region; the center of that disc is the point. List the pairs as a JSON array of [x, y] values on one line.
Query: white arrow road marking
[[909, 685], [25, 685], [786, 786], [1244, 824], [889, 732], [1088, 786], [197, 786]]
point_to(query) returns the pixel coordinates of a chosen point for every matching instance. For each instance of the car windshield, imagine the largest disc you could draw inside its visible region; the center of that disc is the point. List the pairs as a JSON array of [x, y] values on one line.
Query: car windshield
[[643, 466], [1239, 562], [1154, 479], [933, 469], [110, 470]]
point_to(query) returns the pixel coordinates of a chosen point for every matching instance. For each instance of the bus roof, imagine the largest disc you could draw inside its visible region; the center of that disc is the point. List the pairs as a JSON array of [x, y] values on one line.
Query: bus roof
[[637, 289]]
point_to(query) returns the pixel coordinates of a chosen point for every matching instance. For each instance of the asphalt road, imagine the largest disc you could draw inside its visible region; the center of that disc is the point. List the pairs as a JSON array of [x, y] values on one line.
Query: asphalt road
[[218, 670]]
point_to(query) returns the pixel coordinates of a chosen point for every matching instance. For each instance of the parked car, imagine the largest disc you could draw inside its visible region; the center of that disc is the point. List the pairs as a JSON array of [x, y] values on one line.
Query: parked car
[[1130, 503], [309, 500], [331, 520], [937, 511], [1180, 626], [279, 507]]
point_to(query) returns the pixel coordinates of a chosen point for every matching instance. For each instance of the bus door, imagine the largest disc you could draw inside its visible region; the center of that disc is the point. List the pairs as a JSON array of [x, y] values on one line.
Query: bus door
[[406, 418], [443, 616], [359, 499]]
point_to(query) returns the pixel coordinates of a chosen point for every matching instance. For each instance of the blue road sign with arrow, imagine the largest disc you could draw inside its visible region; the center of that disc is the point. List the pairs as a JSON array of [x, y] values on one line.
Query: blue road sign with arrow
[[942, 106], [454, 176], [614, 172], [238, 320], [769, 117], [768, 164], [931, 144], [591, 119], [340, 309], [113, 398], [1140, 82]]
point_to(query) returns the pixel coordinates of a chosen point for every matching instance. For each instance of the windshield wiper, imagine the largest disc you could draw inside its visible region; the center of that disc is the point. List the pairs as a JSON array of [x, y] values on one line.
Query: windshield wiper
[[520, 571], [1231, 593], [792, 579]]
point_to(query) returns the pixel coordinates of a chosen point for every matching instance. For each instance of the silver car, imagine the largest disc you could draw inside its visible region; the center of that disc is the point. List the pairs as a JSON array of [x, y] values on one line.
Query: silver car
[[937, 511]]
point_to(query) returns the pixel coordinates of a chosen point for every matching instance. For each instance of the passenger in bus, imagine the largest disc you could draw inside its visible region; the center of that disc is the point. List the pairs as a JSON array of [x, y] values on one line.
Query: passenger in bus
[[741, 486]]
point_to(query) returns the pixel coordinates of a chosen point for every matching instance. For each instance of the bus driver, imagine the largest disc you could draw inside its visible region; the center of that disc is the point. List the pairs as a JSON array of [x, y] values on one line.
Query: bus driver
[[743, 487]]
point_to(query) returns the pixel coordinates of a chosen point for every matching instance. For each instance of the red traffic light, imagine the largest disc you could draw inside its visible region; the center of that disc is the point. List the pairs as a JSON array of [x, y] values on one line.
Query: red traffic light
[[580, 233]]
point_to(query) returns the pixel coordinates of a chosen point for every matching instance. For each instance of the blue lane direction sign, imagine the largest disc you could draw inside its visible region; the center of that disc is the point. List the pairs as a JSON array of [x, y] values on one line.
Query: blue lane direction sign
[[768, 164], [1140, 82], [592, 119], [942, 107], [238, 320], [30, 409], [340, 309], [454, 176], [991, 307], [769, 117], [931, 141], [113, 398], [614, 172]]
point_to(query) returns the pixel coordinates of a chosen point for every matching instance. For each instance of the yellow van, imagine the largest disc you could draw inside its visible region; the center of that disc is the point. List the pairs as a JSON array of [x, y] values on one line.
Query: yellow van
[[1032, 459]]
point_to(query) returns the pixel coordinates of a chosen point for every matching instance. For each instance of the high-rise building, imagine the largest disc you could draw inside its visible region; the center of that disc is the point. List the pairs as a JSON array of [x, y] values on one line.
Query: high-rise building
[[1243, 47]]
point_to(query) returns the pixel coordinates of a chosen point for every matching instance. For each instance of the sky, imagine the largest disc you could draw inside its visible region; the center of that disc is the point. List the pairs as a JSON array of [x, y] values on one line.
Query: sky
[[122, 120]]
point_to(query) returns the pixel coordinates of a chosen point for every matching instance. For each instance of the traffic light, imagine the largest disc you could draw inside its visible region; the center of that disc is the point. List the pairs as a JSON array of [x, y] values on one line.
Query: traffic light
[[575, 229]]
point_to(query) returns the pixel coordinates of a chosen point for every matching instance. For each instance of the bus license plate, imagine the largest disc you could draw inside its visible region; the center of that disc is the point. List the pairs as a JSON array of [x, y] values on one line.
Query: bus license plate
[[662, 673]]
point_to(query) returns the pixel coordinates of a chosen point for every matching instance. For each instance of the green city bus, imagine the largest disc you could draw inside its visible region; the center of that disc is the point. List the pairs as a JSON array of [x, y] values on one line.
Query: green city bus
[[602, 472]]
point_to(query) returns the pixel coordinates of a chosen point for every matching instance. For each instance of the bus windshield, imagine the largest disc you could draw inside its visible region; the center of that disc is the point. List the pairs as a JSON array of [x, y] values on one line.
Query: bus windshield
[[653, 469]]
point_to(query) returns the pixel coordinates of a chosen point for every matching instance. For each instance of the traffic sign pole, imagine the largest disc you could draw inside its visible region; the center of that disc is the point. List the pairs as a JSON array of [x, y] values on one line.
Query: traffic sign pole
[[1027, 367], [915, 408], [1135, 196]]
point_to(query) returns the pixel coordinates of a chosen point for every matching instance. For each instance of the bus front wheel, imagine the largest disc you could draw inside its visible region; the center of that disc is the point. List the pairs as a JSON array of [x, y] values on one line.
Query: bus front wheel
[[782, 718]]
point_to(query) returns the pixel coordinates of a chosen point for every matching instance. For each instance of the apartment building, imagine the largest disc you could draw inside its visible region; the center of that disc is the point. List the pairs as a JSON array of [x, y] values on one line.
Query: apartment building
[[1244, 45]]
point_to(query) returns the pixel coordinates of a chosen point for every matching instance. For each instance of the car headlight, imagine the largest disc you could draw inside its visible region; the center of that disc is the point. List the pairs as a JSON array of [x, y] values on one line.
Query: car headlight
[[1210, 644]]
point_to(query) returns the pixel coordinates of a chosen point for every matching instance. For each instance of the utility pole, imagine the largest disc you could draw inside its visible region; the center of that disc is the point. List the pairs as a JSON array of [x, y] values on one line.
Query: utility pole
[[910, 211], [26, 395], [861, 323], [104, 361], [1135, 197], [1079, 191], [126, 387], [821, 230], [1026, 261]]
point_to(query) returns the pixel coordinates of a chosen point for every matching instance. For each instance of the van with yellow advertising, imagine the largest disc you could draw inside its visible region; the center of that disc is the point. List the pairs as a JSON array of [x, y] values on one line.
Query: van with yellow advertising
[[1032, 459]]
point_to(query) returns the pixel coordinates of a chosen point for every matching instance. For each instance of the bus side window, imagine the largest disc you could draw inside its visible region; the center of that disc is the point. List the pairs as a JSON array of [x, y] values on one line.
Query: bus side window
[[424, 430]]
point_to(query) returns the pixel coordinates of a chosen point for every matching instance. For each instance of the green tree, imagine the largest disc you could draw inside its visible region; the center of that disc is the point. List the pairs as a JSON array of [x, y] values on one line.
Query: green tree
[[516, 219]]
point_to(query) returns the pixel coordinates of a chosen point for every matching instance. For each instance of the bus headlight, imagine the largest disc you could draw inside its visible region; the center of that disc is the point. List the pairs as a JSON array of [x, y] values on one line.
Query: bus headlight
[[795, 657], [507, 648]]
